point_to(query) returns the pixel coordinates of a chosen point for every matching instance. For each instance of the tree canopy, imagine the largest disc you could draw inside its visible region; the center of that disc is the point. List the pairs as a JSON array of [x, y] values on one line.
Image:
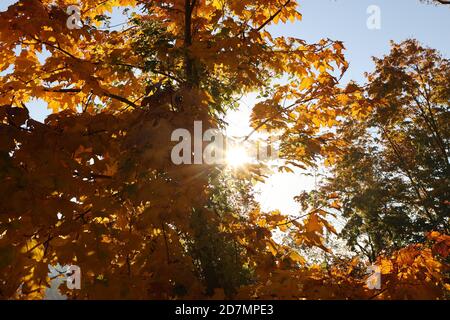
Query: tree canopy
[[94, 185]]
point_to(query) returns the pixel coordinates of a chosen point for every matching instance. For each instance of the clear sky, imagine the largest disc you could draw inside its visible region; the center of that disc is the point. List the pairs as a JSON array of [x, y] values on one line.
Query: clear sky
[[344, 20]]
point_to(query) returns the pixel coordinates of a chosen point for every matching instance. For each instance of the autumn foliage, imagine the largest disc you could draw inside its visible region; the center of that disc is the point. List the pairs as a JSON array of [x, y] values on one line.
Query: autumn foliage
[[94, 184]]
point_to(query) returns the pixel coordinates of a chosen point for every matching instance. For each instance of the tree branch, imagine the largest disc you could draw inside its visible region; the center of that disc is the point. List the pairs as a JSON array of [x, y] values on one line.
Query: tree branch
[[273, 16], [105, 93]]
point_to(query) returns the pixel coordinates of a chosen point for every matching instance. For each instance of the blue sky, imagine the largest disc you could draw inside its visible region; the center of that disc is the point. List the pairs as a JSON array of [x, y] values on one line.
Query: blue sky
[[343, 20]]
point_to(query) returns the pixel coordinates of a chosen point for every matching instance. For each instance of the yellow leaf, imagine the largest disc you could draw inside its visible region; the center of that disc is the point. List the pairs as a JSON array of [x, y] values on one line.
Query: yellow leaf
[[296, 257], [306, 83]]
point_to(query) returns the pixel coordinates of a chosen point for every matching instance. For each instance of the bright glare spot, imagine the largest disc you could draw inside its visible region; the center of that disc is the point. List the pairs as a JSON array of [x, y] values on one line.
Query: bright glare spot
[[237, 156]]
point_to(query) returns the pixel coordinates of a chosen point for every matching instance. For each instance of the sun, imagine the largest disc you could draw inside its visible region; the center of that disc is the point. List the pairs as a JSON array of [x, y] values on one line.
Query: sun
[[237, 157]]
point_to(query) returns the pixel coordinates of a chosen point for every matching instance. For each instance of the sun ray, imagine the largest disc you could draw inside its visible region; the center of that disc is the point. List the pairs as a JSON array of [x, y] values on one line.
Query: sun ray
[[237, 157]]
